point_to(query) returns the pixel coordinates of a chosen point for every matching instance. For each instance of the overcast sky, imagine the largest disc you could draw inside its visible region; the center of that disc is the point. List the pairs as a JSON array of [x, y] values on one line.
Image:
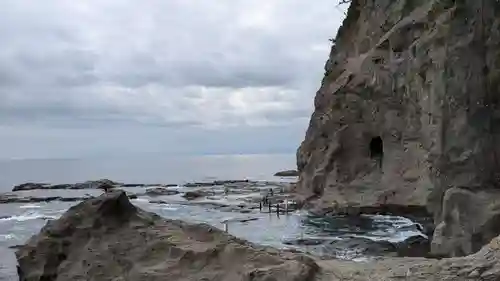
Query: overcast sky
[[83, 78]]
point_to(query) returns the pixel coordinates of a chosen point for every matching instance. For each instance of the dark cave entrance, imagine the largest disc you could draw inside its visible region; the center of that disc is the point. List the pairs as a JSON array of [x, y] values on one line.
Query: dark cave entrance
[[377, 149]]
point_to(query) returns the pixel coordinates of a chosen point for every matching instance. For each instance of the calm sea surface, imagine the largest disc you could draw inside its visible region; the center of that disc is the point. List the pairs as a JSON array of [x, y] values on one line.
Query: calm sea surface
[[144, 169]]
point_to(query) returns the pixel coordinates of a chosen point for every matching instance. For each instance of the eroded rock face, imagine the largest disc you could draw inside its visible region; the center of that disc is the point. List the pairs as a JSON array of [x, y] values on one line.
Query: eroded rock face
[[408, 107], [470, 220], [108, 238]]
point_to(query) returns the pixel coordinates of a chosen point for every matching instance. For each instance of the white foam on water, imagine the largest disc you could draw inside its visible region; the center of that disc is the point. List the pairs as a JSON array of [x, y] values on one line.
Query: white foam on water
[[168, 208], [140, 200], [401, 229], [362, 259], [162, 207], [397, 222], [30, 206], [396, 238], [8, 237], [28, 216]]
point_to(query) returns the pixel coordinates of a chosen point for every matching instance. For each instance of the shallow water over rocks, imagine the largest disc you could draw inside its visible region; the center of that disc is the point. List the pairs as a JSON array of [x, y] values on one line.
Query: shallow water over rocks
[[232, 206]]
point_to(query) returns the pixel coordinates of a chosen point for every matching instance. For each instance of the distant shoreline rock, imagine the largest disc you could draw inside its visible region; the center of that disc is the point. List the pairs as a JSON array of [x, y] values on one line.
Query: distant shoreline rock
[[102, 183], [159, 191], [287, 173], [98, 184]]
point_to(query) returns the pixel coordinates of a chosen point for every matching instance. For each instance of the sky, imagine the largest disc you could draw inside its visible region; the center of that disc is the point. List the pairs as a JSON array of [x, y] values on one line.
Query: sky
[[99, 77]]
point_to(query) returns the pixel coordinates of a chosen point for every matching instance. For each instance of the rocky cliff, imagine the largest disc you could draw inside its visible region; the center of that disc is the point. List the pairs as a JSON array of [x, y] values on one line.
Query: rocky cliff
[[407, 114]]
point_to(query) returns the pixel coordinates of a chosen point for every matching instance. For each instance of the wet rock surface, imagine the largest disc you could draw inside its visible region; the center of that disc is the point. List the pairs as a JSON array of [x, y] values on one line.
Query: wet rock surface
[[82, 245], [470, 220]]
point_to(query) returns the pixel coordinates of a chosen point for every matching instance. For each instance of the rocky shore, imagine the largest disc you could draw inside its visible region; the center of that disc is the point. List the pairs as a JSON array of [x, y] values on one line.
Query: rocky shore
[[82, 245], [404, 124]]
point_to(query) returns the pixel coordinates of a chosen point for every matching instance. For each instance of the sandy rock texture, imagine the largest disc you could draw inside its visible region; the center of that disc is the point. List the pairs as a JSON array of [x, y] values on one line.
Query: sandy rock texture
[[407, 114], [108, 238]]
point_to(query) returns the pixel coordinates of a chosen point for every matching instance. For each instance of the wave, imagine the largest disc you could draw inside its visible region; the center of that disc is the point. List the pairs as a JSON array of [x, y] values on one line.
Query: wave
[[30, 206], [8, 237], [27, 217]]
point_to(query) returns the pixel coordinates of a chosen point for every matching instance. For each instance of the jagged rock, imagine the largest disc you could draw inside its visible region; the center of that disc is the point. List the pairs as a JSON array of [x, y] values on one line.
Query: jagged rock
[[157, 191], [287, 173], [108, 238], [408, 106]]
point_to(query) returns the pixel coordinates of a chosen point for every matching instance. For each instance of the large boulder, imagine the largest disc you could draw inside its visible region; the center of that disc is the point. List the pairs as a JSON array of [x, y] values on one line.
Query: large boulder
[[108, 238], [470, 219]]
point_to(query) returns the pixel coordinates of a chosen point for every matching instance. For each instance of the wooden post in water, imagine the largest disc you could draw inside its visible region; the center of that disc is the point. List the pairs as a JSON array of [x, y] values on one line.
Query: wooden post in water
[[286, 205], [278, 209], [226, 226], [260, 206]]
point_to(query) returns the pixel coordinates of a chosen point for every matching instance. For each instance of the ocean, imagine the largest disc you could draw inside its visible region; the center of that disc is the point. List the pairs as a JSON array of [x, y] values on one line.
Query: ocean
[[146, 168], [299, 230]]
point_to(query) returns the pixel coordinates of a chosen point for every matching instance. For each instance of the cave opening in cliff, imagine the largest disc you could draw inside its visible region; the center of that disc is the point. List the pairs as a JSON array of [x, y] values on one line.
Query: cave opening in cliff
[[377, 149]]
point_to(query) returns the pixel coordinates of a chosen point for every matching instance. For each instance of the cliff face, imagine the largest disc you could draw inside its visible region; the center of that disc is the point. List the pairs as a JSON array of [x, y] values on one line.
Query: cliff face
[[407, 114]]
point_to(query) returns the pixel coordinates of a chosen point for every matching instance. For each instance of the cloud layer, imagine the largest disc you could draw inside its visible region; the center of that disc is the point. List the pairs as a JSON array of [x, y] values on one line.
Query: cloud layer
[[177, 64]]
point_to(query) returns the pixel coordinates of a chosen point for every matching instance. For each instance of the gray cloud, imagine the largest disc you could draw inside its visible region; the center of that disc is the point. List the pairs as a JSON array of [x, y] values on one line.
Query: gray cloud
[[179, 63]]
